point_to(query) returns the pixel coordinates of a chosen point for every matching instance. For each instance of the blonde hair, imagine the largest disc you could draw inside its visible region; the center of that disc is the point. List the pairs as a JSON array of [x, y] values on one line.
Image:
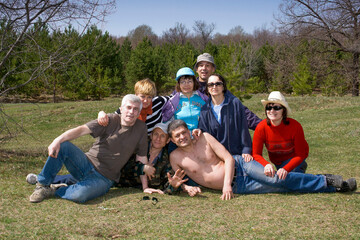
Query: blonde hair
[[146, 87]]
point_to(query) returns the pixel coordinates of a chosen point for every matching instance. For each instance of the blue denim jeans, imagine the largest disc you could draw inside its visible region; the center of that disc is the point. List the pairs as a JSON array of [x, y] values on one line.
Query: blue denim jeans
[[250, 178], [301, 168], [90, 183], [67, 179]]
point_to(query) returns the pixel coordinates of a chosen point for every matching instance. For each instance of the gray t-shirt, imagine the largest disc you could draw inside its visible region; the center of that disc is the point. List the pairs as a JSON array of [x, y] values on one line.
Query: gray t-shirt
[[115, 144]]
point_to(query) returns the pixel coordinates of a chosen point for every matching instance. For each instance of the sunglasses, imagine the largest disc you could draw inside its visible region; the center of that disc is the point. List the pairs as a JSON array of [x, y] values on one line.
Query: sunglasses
[[153, 199], [215, 84], [276, 108]]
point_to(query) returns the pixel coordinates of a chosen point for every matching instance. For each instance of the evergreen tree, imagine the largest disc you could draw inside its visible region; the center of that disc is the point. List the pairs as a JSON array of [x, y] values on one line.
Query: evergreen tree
[[303, 81], [145, 61]]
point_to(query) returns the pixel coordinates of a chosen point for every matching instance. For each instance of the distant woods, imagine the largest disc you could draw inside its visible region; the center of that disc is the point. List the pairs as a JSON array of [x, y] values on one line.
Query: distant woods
[[308, 53]]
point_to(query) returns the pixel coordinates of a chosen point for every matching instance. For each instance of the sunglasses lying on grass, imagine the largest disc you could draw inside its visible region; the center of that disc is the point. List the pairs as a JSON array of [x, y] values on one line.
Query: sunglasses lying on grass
[[153, 199]]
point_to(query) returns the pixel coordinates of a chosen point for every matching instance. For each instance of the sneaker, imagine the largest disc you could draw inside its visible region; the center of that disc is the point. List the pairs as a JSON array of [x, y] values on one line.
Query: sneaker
[[41, 192], [351, 182], [334, 180], [31, 178], [348, 186]]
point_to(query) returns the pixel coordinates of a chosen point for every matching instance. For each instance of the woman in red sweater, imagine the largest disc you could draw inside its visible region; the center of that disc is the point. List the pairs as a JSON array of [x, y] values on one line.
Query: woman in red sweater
[[283, 138]]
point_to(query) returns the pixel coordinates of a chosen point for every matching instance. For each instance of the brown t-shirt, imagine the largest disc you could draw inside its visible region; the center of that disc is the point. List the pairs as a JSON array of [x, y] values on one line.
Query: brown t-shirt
[[115, 144]]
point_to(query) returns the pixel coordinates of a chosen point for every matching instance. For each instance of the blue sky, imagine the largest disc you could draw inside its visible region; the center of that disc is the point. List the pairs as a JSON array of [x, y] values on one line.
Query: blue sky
[[161, 15]]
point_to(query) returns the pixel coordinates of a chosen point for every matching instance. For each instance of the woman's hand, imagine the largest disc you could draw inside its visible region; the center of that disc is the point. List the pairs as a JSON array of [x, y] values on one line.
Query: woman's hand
[[196, 133], [247, 157], [282, 173], [269, 170]]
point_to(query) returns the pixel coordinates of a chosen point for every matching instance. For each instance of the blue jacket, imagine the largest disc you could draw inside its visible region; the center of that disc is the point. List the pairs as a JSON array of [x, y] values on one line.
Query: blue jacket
[[170, 107], [251, 117], [233, 130]]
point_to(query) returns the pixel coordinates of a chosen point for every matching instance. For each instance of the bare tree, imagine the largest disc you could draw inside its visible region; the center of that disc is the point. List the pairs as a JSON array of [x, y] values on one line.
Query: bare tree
[[335, 22], [22, 20], [262, 36], [137, 35], [24, 51], [204, 31], [237, 30], [177, 34]]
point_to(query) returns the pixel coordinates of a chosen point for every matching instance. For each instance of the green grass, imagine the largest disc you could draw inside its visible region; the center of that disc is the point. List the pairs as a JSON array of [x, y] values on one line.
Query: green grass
[[332, 129]]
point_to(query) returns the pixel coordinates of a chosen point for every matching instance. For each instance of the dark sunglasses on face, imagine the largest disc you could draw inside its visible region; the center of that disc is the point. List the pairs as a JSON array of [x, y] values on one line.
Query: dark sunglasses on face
[[215, 84], [276, 108]]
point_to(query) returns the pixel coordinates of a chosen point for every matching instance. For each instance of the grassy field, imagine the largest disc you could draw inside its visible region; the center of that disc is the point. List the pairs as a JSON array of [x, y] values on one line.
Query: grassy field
[[332, 129]]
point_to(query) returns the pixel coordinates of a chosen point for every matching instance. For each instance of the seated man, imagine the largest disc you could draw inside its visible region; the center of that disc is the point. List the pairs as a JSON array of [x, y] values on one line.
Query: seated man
[[97, 170], [209, 164], [133, 173]]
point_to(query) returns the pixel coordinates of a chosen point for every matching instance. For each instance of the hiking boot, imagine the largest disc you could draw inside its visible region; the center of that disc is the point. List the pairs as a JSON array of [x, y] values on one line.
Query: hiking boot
[[348, 186], [41, 192], [334, 180], [31, 178]]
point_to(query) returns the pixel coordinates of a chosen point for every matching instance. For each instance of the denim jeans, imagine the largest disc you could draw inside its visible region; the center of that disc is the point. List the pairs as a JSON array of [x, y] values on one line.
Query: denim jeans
[[250, 178], [301, 168], [90, 183], [67, 179]]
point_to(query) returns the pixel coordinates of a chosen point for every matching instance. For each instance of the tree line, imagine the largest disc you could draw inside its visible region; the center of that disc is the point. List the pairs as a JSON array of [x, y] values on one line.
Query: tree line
[[301, 57]]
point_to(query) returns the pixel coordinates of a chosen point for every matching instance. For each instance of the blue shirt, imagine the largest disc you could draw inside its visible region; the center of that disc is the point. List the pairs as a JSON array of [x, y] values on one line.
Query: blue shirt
[[217, 110]]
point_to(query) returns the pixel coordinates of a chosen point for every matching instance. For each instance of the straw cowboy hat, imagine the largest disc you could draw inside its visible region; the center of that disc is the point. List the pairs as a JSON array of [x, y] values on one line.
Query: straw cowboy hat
[[277, 97]]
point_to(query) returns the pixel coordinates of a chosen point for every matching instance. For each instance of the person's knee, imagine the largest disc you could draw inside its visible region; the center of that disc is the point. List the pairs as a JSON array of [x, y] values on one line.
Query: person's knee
[[83, 194], [246, 167], [78, 196], [65, 145], [251, 168]]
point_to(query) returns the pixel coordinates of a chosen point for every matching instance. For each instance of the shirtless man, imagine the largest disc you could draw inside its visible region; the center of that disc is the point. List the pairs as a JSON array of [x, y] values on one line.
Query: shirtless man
[[200, 161], [209, 164]]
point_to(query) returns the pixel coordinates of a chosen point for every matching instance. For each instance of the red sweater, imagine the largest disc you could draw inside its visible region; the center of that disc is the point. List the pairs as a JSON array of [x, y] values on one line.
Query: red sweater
[[282, 143]]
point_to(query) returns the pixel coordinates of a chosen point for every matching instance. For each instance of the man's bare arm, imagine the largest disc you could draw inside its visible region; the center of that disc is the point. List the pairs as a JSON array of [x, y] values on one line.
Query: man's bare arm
[[229, 161], [69, 135]]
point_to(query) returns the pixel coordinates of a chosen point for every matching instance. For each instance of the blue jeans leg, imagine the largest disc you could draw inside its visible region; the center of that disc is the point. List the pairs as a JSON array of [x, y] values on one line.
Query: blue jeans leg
[[243, 184], [294, 182], [80, 169], [93, 185], [69, 155], [67, 179], [301, 168]]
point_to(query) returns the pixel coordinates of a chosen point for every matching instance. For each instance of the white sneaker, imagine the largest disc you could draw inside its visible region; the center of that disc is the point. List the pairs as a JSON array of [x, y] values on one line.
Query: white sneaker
[[41, 192], [31, 178]]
